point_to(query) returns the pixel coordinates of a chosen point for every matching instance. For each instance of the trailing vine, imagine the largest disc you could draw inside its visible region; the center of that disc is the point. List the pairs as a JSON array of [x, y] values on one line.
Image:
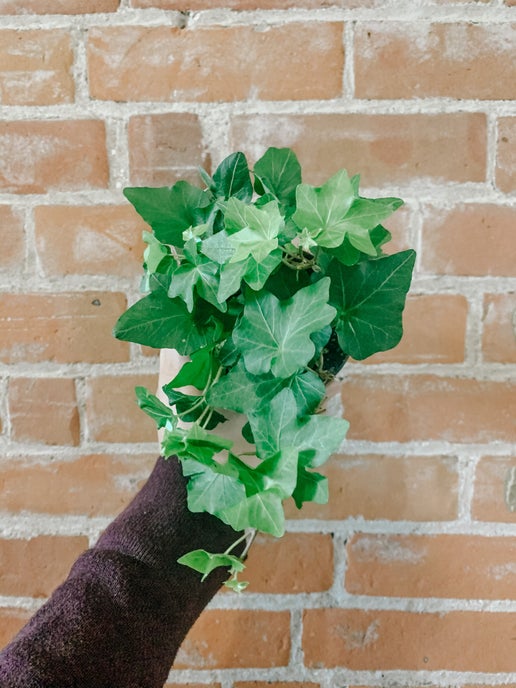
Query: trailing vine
[[268, 285]]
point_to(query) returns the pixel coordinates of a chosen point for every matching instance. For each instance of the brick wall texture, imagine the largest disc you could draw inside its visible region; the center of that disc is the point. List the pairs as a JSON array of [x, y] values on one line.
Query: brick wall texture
[[408, 576]]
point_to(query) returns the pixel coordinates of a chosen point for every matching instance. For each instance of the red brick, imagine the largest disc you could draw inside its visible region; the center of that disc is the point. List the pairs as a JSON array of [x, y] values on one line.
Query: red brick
[[423, 60], [385, 640], [456, 566], [185, 5], [434, 331], [112, 412], [13, 245], [393, 408], [57, 6], [296, 563], [50, 484], [414, 488], [36, 67], [506, 155], [165, 148], [208, 64], [34, 567], [494, 478], [36, 157], [44, 410], [215, 640], [455, 240], [89, 240], [11, 621], [62, 328], [499, 335], [384, 149]]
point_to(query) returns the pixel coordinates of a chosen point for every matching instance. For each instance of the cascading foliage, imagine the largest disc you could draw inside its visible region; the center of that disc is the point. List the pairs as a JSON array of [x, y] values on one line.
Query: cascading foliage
[[268, 284]]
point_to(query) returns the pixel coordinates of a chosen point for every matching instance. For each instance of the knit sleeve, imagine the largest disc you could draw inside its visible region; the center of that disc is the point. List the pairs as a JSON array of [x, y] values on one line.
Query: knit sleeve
[[119, 618]]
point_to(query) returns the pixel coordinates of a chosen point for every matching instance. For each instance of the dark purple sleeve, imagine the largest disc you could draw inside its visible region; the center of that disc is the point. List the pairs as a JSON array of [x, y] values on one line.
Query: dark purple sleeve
[[122, 613]]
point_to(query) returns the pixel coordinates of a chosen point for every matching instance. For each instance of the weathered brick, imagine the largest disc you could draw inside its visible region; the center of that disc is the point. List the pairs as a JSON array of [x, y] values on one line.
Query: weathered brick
[[384, 640], [185, 5], [11, 621], [89, 240], [412, 488], [63, 328], [499, 334], [457, 566], [393, 408], [112, 412], [299, 562], [215, 640], [34, 567], [165, 148], [418, 59], [36, 157], [384, 149], [275, 684], [57, 6], [208, 64], [469, 239], [506, 155], [35, 67], [13, 244], [495, 477], [44, 410], [434, 331]]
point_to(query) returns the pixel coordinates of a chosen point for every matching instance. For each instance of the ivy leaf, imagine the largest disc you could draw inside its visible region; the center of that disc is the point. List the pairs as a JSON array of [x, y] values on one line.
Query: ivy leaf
[[232, 178], [201, 274], [193, 443], [263, 511], [310, 487], [315, 437], [218, 248], [230, 279], [275, 335], [195, 372], [370, 298], [252, 231], [236, 391], [204, 562], [170, 211], [156, 409], [279, 172], [154, 252], [321, 210], [367, 213], [164, 323], [308, 390], [214, 488], [258, 272]]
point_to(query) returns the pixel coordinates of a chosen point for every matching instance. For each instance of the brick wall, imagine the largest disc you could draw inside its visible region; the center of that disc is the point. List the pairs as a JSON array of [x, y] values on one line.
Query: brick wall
[[408, 576]]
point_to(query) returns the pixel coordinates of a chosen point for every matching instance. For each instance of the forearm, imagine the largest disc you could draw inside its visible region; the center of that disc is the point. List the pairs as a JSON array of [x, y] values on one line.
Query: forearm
[[120, 617]]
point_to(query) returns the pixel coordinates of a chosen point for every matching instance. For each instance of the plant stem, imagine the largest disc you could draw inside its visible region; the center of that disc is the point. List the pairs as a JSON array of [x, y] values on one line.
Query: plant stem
[[237, 542]]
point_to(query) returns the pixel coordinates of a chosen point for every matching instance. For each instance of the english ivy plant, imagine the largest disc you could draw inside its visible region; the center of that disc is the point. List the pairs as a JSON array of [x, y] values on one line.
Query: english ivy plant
[[268, 285]]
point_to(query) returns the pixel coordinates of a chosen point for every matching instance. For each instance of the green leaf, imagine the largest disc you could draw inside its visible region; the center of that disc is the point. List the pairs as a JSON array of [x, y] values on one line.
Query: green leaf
[[201, 274], [308, 390], [164, 323], [367, 213], [275, 335], [170, 211], [252, 231], [156, 409], [257, 273], [230, 279], [310, 487], [213, 488], [204, 562], [236, 391], [193, 443], [315, 437], [232, 178], [195, 372], [154, 253], [279, 172], [236, 585], [218, 248], [321, 210], [370, 298], [263, 511]]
